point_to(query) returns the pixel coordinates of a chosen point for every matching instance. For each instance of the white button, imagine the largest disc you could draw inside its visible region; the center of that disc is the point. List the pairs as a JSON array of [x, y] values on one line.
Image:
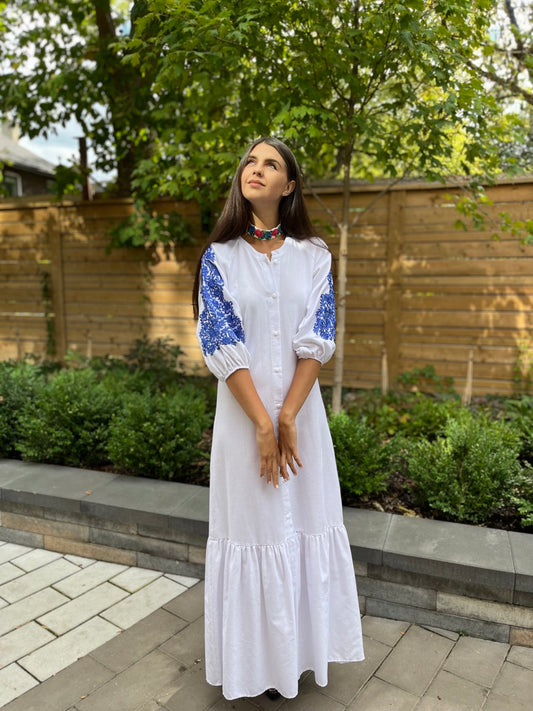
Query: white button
[[274, 296], [275, 333], [277, 370]]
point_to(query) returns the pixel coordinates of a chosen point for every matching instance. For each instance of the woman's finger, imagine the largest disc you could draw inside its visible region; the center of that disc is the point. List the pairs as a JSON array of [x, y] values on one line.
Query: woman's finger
[[283, 467]]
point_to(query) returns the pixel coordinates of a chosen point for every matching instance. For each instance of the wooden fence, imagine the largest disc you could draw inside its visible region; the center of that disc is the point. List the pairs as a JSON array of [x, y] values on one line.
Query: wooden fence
[[427, 293]]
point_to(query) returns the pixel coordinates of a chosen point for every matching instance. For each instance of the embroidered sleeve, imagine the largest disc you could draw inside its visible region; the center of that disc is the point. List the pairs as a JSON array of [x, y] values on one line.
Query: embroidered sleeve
[[325, 315], [218, 324], [315, 337], [220, 330]]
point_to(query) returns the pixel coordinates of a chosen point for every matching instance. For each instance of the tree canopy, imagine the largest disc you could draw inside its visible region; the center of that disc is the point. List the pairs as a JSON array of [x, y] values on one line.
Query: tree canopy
[[63, 60], [505, 63], [169, 91]]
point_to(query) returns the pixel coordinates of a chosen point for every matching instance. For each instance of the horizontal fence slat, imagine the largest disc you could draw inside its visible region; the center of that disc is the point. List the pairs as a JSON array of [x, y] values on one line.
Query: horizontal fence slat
[[456, 290]]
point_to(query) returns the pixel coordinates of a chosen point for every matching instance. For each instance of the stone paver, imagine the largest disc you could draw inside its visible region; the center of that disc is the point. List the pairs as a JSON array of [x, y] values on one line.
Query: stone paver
[[139, 640], [68, 648], [515, 682], [37, 580], [90, 577], [66, 688], [382, 630], [415, 660], [82, 608], [477, 660], [134, 579], [523, 656], [9, 551], [142, 603], [29, 608], [134, 686], [23, 641], [498, 702], [8, 572], [378, 695], [36, 559], [14, 681], [456, 690]]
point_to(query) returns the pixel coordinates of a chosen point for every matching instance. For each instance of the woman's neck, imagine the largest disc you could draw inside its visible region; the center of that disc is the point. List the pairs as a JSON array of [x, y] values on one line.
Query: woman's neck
[[265, 219]]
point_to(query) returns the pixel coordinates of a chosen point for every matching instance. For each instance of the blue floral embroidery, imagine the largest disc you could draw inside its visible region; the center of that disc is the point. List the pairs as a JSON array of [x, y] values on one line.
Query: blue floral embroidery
[[219, 325], [325, 315]]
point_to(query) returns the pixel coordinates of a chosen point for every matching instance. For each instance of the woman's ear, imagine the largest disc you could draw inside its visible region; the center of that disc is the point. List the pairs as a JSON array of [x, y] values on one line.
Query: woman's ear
[[290, 187]]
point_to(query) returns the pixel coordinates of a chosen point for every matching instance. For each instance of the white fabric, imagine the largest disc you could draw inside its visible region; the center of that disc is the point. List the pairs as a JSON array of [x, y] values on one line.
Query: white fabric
[[280, 592]]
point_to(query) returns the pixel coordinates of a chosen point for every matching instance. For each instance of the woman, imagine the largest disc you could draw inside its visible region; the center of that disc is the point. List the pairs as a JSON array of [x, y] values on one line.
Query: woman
[[280, 588]]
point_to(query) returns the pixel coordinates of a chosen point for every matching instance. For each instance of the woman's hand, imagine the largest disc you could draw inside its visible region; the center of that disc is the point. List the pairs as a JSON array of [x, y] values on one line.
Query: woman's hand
[[288, 446], [269, 455]]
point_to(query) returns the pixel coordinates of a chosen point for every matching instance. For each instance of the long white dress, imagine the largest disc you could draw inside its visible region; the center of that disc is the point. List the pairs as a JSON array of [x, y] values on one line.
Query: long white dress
[[280, 595]]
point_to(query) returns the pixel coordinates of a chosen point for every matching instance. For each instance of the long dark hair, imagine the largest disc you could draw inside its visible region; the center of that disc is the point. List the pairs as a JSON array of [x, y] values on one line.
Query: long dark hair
[[237, 212]]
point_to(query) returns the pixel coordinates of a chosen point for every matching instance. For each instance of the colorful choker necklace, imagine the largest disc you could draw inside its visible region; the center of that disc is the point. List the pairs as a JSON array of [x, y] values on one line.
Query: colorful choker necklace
[[264, 234]]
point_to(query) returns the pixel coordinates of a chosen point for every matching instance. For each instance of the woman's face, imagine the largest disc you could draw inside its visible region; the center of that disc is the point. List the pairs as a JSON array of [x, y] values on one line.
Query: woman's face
[[264, 177]]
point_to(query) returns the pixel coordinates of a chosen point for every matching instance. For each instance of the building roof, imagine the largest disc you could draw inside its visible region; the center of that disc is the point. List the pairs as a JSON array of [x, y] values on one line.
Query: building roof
[[15, 156]]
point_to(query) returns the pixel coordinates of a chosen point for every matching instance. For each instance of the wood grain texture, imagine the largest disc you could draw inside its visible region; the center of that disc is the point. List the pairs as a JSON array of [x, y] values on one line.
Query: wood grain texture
[[418, 286]]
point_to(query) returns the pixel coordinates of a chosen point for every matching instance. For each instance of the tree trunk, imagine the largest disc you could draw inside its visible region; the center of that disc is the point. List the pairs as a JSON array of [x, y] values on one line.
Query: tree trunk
[[342, 271], [128, 95]]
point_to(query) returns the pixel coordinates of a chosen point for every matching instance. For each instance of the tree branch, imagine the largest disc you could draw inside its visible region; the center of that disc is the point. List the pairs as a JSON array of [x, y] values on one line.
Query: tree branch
[[104, 19], [515, 29], [323, 205], [501, 81]]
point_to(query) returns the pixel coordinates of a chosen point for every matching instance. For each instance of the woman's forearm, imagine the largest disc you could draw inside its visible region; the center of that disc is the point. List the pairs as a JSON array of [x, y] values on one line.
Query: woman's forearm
[[304, 378], [305, 375], [243, 390]]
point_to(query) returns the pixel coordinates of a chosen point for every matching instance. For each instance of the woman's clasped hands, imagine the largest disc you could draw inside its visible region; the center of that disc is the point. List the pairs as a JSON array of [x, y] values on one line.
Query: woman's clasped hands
[[278, 457]]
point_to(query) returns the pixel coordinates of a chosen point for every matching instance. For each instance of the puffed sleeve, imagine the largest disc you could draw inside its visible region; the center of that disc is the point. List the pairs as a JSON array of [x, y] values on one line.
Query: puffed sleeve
[[315, 337], [220, 331]]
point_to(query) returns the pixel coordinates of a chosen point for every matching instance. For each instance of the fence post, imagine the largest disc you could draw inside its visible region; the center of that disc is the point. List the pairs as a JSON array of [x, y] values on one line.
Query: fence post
[[57, 274], [393, 283]]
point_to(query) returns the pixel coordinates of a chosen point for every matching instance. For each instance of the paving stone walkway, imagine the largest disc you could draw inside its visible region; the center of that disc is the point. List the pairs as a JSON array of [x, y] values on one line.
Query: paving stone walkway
[[57, 608], [137, 636]]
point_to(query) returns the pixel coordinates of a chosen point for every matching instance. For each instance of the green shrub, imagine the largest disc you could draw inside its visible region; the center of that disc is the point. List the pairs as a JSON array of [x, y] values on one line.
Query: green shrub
[[69, 420], [426, 380], [158, 435], [155, 363], [18, 383], [412, 414], [519, 414], [363, 460], [426, 416], [469, 471], [522, 496]]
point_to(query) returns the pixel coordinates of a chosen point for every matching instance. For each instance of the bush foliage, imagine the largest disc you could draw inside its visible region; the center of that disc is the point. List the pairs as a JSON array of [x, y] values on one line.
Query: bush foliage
[[142, 415], [363, 458], [68, 420], [18, 385], [158, 435], [469, 471], [137, 414]]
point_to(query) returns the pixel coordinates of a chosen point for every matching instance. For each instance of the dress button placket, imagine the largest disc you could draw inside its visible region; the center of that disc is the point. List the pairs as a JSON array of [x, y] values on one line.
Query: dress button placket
[[277, 376]]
